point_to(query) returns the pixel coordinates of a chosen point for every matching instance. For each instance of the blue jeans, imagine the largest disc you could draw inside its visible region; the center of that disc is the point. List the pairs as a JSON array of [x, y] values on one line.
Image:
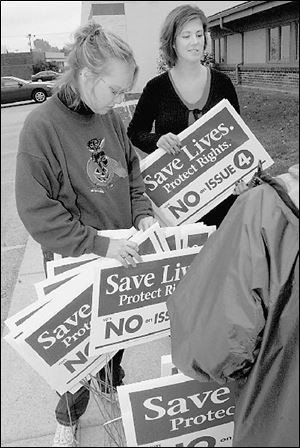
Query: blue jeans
[[71, 407]]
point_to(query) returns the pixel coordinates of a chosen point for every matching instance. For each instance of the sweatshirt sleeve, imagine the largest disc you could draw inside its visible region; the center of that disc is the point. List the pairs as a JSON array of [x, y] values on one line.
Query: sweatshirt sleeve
[[140, 204], [140, 128], [45, 217]]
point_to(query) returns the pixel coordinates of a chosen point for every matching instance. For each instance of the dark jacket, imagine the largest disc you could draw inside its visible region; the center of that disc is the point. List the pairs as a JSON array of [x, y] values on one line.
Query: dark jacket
[[235, 316]]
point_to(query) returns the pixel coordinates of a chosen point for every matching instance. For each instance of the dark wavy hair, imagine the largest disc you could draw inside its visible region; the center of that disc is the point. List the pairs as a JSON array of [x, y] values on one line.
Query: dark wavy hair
[[172, 26]]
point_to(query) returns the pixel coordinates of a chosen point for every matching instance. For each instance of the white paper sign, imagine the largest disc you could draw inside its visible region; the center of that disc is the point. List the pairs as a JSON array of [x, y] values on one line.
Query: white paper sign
[[55, 339], [62, 264], [167, 366], [217, 150], [129, 303], [177, 411]]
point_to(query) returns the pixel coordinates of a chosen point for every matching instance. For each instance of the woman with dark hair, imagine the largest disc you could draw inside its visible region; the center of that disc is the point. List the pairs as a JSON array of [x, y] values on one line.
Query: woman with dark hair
[[77, 173], [172, 101]]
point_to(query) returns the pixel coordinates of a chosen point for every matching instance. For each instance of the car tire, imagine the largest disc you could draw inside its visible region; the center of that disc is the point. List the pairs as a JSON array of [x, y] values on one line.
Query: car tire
[[39, 96]]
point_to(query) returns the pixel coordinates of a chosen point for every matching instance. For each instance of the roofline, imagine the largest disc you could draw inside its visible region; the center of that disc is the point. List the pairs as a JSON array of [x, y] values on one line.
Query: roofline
[[240, 11]]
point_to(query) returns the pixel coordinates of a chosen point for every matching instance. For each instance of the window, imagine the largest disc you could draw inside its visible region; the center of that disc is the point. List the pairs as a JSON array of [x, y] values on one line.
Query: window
[[279, 44], [10, 83], [223, 49], [255, 46], [285, 43], [297, 42], [217, 50], [274, 44], [220, 50], [234, 48]]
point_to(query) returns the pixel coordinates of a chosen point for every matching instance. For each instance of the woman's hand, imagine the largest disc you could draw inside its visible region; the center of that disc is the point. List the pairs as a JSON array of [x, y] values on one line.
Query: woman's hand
[[240, 187], [146, 222], [170, 143], [124, 251]]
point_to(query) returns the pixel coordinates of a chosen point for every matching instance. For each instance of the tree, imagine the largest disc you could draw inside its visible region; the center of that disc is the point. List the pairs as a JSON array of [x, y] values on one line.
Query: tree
[[43, 45], [208, 59], [161, 65], [66, 49], [39, 64]]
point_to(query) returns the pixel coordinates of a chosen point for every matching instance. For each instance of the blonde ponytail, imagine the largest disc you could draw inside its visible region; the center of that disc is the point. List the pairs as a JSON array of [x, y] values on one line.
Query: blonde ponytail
[[93, 48]]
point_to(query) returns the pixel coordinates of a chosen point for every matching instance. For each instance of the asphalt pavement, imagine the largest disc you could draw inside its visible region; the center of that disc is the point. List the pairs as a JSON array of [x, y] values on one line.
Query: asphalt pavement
[[13, 234]]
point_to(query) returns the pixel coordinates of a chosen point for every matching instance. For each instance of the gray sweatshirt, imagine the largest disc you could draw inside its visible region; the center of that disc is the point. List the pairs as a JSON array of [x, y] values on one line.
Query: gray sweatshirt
[[77, 174]]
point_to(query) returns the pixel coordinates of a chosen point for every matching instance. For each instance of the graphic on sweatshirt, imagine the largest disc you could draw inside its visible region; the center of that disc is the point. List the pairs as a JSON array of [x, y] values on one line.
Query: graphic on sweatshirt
[[102, 169]]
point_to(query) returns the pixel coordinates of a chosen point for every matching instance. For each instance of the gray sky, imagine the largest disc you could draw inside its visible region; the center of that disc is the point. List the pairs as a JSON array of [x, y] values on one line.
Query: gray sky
[[55, 21]]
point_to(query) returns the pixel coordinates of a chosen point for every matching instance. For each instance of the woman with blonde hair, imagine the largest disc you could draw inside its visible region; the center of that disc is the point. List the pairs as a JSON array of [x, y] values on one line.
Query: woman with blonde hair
[[77, 173]]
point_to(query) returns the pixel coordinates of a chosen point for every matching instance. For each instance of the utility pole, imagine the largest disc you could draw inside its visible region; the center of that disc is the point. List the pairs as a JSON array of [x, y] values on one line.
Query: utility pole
[[30, 37]]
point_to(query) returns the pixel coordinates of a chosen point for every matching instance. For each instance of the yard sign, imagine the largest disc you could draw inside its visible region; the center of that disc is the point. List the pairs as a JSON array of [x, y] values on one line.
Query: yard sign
[[217, 150]]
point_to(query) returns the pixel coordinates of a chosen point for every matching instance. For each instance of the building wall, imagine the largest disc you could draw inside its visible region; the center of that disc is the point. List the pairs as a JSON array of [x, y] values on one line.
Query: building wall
[[255, 46], [17, 64], [234, 44], [110, 15], [260, 50], [116, 24], [265, 77], [273, 78]]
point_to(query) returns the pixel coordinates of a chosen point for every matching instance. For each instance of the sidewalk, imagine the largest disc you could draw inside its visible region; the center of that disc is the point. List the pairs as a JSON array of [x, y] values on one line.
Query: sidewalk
[[28, 403]]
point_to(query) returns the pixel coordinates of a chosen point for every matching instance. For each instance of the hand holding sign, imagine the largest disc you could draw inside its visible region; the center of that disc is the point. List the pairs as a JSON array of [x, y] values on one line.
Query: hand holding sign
[[125, 251], [146, 222], [170, 143], [216, 151]]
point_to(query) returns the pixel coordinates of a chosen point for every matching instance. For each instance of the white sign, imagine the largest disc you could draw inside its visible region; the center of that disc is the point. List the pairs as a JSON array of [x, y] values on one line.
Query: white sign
[[217, 150], [54, 340], [167, 366], [177, 411], [62, 264], [129, 303]]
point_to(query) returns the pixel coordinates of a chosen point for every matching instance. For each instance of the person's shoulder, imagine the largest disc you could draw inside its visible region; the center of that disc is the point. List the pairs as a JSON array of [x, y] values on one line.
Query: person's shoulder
[[157, 81], [112, 116], [41, 114], [262, 199], [219, 76]]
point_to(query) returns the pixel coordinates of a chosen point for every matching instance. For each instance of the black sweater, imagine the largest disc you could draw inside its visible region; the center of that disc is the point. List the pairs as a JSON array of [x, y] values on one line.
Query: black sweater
[[160, 110], [160, 105]]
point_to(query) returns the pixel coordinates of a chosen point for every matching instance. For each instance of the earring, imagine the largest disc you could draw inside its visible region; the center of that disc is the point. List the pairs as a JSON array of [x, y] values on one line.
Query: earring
[[83, 73]]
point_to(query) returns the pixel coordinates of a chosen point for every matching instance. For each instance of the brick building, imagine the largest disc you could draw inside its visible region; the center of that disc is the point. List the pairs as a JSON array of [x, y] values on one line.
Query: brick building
[[257, 43], [17, 64], [21, 64]]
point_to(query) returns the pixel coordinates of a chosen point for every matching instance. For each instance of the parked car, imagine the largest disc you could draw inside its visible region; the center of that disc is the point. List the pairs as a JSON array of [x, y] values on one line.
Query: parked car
[[45, 75], [15, 89]]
